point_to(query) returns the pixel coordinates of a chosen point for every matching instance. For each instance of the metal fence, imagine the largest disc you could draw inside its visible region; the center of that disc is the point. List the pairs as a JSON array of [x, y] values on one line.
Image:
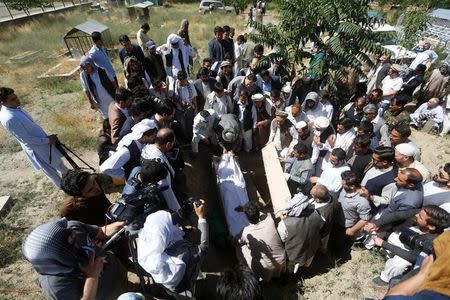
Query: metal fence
[[7, 14]]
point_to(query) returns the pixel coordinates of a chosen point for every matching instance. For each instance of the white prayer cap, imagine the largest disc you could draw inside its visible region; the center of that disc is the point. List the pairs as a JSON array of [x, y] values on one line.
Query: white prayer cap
[[140, 128], [286, 89], [301, 124], [405, 149], [321, 123], [258, 97]]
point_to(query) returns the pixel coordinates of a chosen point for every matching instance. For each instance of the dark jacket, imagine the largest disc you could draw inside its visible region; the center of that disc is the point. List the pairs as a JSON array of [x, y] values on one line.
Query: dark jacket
[[411, 84], [136, 52], [303, 238], [154, 66]]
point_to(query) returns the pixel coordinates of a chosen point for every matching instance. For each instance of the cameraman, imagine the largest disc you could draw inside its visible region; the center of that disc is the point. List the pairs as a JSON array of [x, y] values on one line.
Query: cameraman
[[149, 173], [163, 252], [69, 264], [86, 201], [429, 222]]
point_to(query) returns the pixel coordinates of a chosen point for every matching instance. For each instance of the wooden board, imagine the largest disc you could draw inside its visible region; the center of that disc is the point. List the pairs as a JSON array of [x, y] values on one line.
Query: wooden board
[[278, 188]]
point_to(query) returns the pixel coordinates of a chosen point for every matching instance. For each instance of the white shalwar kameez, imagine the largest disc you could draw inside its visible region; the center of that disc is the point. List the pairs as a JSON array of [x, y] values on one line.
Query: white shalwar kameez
[[34, 141]]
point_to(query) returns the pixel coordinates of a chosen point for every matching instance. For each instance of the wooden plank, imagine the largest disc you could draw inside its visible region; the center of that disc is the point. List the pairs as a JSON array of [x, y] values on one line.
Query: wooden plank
[[278, 188]]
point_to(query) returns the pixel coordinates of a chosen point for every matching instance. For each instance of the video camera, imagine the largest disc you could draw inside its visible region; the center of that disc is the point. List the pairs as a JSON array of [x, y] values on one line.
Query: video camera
[[414, 241], [137, 206]]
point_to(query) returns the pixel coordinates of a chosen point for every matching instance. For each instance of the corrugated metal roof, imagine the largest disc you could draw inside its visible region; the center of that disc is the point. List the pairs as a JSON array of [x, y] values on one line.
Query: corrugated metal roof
[[143, 4], [90, 26], [441, 13]]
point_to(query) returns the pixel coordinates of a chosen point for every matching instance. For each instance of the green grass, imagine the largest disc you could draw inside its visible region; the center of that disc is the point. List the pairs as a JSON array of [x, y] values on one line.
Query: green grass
[[10, 241], [71, 118]]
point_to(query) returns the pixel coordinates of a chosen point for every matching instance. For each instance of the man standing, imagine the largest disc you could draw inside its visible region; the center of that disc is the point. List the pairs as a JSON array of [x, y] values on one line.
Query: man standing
[[283, 134], [98, 86], [404, 156], [142, 37], [216, 49], [129, 49], [154, 64], [38, 146], [164, 142], [118, 113], [100, 57], [204, 86], [331, 176]]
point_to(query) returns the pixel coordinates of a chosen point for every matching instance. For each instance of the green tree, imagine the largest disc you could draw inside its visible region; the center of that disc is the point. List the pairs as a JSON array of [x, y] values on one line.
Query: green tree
[[340, 30], [415, 21], [26, 5]]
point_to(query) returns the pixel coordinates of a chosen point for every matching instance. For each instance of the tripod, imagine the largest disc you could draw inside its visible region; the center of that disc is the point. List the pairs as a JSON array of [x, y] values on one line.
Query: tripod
[[64, 151]]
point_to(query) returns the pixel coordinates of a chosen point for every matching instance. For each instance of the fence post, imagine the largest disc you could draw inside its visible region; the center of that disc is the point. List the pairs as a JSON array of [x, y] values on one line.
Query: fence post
[[7, 8]]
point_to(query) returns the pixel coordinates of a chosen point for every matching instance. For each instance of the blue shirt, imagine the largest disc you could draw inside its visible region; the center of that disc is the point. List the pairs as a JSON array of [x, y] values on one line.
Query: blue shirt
[[101, 59]]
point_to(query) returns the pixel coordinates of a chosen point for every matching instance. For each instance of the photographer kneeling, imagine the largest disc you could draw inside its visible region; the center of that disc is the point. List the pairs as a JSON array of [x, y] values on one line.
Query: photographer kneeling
[[163, 252], [69, 263], [406, 245]]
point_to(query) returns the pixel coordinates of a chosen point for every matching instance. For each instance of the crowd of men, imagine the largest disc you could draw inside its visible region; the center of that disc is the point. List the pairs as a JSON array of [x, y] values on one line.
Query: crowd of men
[[355, 178]]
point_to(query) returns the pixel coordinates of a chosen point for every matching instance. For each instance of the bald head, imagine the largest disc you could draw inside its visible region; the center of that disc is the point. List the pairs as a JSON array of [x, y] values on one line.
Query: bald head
[[164, 136], [320, 193], [413, 175]]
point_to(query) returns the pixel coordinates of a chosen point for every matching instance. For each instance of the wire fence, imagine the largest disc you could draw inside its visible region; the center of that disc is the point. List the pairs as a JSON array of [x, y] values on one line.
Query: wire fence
[[8, 14]]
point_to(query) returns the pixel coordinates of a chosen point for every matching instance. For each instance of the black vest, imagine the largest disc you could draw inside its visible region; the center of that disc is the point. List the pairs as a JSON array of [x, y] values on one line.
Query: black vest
[[248, 121], [104, 80], [135, 158], [169, 59]]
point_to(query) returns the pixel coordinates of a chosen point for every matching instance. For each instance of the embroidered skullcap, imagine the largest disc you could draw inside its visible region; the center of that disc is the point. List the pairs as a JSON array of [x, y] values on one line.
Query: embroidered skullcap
[[405, 149]]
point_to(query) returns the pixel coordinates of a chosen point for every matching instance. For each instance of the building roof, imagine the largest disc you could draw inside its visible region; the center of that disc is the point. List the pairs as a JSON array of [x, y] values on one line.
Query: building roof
[[441, 13]]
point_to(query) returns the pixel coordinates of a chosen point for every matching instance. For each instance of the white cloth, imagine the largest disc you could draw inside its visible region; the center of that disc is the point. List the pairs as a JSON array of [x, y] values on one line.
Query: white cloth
[[446, 110], [219, 105], [300, 117], [155, 237], [113, 166], [233, 193], [186, 52], [102, 98], [150, 151], [142, 38], [423, 57], [203, 128], [328, 110], [183, 93], [343, 141], [390, 85], [435, 114], [34, 142], [317, 111], [331, 178], [396, 265]]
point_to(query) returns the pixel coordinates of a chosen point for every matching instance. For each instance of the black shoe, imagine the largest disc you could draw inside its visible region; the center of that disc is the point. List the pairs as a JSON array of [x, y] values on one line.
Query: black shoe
[[378, 282]]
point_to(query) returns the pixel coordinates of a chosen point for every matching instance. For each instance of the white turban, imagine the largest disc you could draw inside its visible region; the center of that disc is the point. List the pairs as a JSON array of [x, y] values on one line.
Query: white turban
[[405, 149]]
